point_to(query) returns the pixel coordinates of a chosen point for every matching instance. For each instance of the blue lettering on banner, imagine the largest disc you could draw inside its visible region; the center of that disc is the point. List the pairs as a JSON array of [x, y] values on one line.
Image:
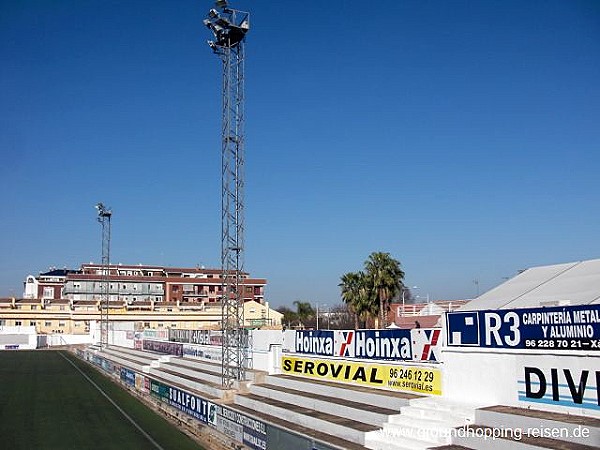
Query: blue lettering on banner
[[393, 344], [254, 431], [560, 328], [128, 376], [188, 403], [254, 439]]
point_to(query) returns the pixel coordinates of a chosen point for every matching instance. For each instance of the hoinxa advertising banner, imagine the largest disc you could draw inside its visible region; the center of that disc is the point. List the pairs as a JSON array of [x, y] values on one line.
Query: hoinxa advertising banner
[[392, 344]]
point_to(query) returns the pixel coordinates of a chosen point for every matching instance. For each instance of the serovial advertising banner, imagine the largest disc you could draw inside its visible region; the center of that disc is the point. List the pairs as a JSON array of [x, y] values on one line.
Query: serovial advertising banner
[[557, 328], [395, 377], [393, 344]]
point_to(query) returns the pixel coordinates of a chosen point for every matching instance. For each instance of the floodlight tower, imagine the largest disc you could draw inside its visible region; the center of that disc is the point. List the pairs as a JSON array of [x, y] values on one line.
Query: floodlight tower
[[229, 28], [104, 215]]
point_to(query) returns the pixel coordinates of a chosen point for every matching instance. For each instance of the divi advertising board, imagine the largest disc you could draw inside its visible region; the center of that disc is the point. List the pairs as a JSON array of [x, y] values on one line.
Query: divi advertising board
[[558, 328], [386, 345]]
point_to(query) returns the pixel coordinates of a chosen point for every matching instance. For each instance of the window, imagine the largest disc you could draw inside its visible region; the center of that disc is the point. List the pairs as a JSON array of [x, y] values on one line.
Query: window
[[61, 323], [147, 324], [17, 323], [124, 286], [150, 274], [32, 323], [33, 307], [62, 307], [76, 285], [47, 324]]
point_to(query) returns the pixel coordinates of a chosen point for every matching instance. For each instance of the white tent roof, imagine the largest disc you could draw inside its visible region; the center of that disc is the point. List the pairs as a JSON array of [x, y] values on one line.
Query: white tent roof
[[575, 283]]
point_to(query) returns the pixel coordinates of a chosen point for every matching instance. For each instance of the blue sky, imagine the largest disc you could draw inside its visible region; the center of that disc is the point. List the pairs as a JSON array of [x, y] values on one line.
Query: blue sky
[[462, 137]]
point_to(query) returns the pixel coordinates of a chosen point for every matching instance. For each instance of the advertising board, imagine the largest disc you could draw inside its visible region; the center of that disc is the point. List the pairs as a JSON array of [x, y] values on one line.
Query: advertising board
[[392, 344], [557, 328], [425, 380]]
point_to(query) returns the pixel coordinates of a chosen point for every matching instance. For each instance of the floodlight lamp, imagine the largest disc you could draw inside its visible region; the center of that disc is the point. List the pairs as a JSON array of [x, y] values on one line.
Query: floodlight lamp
[[221, 4], [212, 45], [213, 13]]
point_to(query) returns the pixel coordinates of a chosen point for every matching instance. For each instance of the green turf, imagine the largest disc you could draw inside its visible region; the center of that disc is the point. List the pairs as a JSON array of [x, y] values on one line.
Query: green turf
[[45, 403]]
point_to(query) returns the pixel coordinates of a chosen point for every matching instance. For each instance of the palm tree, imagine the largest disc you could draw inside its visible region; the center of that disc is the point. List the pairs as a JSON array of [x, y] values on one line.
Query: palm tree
[[386, 277], [357, 293], [350, 286], [304, 311]]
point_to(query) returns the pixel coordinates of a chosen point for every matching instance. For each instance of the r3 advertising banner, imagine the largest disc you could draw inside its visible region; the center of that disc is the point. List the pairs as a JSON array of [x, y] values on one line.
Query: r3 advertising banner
[[395, 377], [393, 344], [557, 328]]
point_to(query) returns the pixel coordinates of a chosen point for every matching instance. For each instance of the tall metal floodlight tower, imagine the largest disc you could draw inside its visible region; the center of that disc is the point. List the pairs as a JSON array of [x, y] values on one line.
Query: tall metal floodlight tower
[[229, 28], [104, 215]]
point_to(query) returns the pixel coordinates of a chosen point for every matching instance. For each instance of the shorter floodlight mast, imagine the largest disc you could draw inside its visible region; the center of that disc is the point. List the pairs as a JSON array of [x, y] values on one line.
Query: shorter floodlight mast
[[104, 215]]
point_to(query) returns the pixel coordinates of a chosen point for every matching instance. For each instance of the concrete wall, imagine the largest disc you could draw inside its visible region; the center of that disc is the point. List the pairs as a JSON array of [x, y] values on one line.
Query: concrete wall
[[495, 377]]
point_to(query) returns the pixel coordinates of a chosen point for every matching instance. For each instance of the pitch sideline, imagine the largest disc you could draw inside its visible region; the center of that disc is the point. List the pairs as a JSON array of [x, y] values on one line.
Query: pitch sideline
[[133, 422]]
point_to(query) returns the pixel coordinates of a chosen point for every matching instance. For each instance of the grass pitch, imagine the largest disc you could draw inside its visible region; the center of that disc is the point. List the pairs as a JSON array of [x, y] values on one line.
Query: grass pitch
[[46, 403]]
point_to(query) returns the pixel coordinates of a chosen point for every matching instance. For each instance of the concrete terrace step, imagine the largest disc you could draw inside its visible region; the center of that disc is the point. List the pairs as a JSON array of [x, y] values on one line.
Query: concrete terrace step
[[341, 427], [522, 443], [383, 440], [368, 413], [251, 374], [203, 386], [386, 399], [418, 412], [429, 430], [437, 405], [126, 362], [310, 432], [186, 387], [140, 359], [523, 418], [195, 372]]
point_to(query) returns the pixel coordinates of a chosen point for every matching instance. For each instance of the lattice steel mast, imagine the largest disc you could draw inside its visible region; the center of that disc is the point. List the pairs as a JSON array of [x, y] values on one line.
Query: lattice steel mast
[[104, 216], [229, 27]]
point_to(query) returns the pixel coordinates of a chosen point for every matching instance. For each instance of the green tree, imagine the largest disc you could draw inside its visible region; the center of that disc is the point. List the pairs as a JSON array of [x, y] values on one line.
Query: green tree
[[386, 278], [357, 293], [304, 311], [351, 285], [289, 316]]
